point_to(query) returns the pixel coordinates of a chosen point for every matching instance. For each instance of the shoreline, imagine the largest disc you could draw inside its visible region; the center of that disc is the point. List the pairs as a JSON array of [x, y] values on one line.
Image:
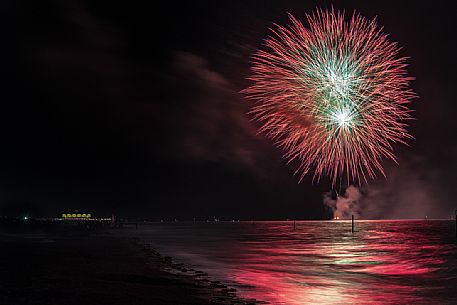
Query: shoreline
[[80, 267], [217, 291]]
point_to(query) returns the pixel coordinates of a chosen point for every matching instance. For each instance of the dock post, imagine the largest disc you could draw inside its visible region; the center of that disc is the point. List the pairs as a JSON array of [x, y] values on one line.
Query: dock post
[[352, 230]]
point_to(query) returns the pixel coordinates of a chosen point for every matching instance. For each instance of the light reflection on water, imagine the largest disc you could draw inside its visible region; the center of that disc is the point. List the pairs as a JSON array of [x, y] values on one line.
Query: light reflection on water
[[383, 262]]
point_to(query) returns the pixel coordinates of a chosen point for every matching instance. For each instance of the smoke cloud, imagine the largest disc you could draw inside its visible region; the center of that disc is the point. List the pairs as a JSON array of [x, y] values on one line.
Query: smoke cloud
[[344, 205], [413, 190]]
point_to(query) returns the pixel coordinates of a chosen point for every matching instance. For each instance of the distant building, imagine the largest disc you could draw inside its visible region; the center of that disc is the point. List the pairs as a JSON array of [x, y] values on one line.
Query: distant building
[[77, 216]]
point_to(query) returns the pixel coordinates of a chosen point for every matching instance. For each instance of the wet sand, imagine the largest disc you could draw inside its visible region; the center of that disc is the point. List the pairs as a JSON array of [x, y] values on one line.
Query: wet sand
[[77, 267]]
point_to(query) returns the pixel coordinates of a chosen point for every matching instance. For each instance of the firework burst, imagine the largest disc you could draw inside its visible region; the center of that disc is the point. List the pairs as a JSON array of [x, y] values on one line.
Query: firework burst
[[333, 96]]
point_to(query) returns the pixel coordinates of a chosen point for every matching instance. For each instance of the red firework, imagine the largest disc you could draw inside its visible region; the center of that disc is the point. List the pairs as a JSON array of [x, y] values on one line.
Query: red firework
[[333, 96]]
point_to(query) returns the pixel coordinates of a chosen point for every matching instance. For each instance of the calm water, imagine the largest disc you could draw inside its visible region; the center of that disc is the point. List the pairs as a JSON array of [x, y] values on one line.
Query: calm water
[[383, 262]]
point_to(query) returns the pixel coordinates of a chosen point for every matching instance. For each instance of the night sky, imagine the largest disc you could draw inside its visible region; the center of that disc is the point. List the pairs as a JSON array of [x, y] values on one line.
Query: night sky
[[135, 109]]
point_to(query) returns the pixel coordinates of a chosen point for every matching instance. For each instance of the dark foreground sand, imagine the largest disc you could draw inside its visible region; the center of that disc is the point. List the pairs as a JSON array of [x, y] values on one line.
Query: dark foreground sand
[[77, 267]]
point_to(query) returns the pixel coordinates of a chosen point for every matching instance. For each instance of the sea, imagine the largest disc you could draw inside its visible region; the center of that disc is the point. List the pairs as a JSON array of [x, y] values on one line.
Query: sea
[[320, 262]]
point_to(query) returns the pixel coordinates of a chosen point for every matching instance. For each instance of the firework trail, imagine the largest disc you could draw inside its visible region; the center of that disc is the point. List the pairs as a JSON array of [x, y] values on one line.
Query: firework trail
[[333, 96]]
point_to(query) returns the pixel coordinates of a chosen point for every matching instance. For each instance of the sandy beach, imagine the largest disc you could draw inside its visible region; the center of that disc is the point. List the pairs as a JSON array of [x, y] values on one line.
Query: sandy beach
[[77, 267]]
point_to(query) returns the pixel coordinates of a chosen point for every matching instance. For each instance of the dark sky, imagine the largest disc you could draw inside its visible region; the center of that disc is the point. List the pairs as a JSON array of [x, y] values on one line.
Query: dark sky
[[134, 109]]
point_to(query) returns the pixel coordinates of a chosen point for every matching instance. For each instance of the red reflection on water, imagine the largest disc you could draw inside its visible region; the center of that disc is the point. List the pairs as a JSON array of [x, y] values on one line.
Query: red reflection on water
[[373, 266]]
